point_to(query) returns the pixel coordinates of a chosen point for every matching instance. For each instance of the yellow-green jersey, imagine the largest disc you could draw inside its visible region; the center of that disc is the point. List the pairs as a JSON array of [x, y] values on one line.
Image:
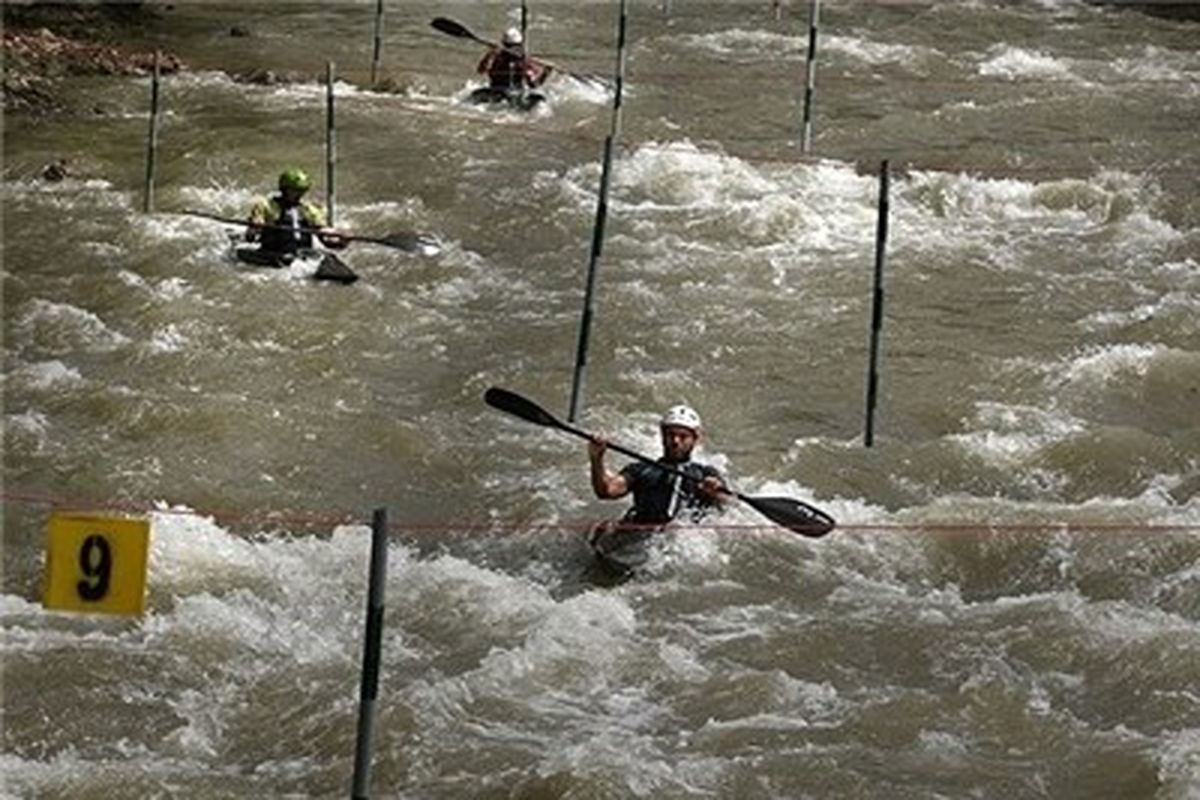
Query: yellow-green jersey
[[286, 229]]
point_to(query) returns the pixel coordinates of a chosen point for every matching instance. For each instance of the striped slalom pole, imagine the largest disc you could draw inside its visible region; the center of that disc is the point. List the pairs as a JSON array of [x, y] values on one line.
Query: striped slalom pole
[[369, 688], [810, 78], [881, 231]]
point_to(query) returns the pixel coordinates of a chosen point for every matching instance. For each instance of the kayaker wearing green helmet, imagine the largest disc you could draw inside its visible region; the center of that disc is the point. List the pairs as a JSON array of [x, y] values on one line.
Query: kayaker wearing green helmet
[[287, 222]]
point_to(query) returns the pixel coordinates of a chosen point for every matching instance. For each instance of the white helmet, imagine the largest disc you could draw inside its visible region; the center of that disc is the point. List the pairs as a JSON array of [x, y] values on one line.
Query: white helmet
[[682, 417], [512, 37]]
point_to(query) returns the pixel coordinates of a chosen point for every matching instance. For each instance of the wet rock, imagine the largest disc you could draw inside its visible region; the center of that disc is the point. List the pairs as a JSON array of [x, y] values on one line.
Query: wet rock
[[57, 170], [390, 86], [268, 77], [29, 93], [238, 32], [47, 53]]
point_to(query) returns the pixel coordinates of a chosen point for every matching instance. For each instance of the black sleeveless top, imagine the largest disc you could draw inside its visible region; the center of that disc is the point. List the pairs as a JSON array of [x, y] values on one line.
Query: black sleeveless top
[[659, 496]]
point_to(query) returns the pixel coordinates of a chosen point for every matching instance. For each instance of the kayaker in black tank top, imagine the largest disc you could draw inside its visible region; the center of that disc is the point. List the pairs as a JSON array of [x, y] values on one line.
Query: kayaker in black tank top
[[659, 496]]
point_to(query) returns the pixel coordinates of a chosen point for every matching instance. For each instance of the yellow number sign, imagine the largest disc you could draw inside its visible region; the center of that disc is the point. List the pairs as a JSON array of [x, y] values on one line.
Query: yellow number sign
[[96, 564]]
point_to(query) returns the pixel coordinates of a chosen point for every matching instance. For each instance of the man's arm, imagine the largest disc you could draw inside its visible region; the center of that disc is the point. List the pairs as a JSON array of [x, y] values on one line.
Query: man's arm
[[485, 63], [605, 484], [314, 218], [536, 72], [258, 217]]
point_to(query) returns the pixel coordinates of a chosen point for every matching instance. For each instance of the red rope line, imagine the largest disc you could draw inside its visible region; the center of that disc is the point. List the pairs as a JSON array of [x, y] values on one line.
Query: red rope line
[[465, 526]]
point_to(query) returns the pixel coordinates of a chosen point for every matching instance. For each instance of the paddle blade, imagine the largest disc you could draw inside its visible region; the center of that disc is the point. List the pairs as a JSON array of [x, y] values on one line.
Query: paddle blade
[[792, 514], [413, 243], [594, 81], [452, 28], [511, 403], [334, 269]]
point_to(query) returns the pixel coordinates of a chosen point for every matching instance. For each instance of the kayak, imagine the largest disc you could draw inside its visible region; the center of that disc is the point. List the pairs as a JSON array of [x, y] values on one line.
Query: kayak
[[320, 265], [515, 100], [622, 547]]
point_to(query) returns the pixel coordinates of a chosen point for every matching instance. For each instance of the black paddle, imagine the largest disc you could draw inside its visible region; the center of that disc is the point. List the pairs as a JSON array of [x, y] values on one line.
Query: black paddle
[[460, 31], [408, 241], [792, 514]]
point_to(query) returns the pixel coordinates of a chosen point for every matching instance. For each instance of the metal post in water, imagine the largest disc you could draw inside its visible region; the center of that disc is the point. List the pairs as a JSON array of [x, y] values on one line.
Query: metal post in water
[[152, 140], [371, 652], [619, 82], [330, 144], [377, 50], [585, 321], [877, 305], [810, 81]]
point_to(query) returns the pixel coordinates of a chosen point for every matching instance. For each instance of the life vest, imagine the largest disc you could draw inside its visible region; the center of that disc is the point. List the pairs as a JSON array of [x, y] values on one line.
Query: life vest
[[292, 228], [510, 71], [660, 496]]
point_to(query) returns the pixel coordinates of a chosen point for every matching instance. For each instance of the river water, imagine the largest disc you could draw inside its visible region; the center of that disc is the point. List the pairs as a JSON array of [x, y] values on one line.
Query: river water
[[1011, 605]]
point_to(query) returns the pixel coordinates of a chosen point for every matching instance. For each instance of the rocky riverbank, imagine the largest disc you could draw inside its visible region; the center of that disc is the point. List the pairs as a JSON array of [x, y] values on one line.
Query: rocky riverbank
[[46, 42], [36, 59]]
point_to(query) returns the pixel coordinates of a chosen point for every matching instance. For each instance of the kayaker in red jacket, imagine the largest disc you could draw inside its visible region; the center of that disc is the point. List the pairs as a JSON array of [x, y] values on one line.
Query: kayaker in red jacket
[[507, 67]]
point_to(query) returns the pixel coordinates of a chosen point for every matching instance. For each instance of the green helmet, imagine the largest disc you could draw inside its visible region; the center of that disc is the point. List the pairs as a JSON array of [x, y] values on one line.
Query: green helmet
[[295, 179]]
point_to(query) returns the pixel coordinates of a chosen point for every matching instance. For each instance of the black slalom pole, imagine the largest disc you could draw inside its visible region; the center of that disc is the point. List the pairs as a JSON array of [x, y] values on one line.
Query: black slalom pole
[[619, 83], [152, 139], [377, 44], [877, 305], [585, 321], [369, 689], [330, 144], [810, 76]]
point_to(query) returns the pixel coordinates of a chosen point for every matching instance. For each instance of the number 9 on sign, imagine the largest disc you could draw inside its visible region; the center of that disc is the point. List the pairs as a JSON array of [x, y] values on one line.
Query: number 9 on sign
[[96, 564]]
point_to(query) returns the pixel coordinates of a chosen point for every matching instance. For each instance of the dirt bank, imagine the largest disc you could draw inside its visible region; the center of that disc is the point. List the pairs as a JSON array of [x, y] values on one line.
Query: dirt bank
[[45, 42]]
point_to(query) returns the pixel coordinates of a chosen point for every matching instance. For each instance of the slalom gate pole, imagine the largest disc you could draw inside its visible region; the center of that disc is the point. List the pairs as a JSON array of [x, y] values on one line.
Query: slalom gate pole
[[330, 144], [619, 82], [377, 47], [152, 140], [585, 321], [810, 77], [371, 655], [525, 26], [881, 231]]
